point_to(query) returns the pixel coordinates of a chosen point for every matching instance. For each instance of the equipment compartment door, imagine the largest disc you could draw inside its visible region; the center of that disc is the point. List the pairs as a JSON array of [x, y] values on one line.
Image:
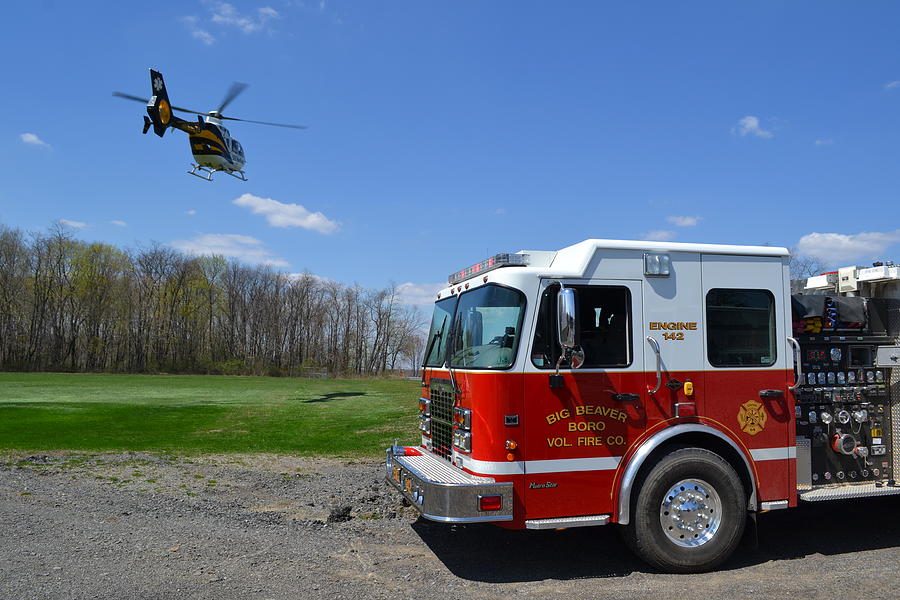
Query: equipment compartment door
[[577, 432]]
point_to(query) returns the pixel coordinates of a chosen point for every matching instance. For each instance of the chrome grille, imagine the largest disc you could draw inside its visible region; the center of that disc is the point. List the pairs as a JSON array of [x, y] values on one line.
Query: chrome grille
[[442, 399]]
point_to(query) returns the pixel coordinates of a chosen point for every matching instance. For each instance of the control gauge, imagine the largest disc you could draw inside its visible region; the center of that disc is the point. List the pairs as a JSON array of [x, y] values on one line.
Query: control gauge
[[843, 417], [870, 376], [841, 378], [821, 378], [811, 378], [826, 417], [851, 377], [836, 354], [879, 376], [830, 377]]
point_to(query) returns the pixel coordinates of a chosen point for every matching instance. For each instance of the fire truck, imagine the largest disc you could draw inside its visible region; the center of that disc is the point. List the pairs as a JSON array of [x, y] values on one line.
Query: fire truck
[[676, 390]]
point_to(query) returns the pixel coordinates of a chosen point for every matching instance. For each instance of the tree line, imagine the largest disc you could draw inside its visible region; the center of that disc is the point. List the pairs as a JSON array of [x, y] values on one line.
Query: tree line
[[69, 305]]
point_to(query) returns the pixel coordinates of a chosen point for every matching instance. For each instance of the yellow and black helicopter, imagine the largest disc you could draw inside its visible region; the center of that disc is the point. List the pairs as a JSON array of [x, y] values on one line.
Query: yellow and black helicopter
[[211, 143]]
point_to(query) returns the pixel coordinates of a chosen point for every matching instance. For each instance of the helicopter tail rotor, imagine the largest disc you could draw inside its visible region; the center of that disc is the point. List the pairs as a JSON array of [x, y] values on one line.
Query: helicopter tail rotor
[[158, 106]]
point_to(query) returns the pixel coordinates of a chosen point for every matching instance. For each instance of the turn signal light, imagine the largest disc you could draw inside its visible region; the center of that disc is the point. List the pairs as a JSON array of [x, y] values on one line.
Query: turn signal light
[[490, 502], [462, 418]]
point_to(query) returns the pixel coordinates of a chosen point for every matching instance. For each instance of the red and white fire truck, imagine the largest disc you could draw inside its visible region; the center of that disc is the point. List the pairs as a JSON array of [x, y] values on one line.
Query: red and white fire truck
[[674, 389]]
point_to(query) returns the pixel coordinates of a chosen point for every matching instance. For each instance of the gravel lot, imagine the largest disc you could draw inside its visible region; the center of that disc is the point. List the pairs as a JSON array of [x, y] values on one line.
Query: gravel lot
[[154, 526]]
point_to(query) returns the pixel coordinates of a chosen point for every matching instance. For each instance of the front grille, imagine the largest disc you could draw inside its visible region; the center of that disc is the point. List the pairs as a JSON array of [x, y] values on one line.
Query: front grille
[[442, 399]]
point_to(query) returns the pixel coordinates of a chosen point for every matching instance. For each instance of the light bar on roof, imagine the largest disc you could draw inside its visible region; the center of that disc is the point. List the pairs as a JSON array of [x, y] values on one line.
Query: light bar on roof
[[489, 264]]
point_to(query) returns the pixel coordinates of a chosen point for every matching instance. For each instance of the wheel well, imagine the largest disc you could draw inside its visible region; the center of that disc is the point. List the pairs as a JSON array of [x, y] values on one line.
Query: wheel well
[[699, 440]]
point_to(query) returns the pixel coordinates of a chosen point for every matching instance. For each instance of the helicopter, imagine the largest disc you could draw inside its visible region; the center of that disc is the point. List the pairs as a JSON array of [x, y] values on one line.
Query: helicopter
[[212, 145]]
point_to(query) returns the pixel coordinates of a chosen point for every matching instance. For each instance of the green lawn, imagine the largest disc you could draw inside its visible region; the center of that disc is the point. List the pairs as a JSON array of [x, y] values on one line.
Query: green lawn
[[191, 414]]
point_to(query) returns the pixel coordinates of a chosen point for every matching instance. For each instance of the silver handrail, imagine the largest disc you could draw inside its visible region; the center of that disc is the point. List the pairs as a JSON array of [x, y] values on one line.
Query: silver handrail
[[655, 345], [795, 345]]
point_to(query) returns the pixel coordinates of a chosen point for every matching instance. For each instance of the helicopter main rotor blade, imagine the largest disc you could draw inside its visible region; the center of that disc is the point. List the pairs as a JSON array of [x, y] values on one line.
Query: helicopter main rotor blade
[[233, 92], [146, 100], [130, 97], [264, 123]]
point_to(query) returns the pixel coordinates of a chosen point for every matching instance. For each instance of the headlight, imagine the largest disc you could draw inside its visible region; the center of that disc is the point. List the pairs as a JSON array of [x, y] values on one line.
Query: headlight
[[462, 441], [425, 424]]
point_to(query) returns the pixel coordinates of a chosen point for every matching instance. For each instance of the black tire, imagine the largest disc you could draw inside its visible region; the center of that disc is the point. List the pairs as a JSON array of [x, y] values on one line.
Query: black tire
[[707, 516]]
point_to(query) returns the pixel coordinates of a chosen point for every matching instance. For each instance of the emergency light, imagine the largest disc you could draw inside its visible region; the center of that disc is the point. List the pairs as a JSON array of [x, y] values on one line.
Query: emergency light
[[489, 264], [657, 265]]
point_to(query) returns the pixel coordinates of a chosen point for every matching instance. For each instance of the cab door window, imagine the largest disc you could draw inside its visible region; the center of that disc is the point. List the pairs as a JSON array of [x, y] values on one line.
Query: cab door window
[[604, 318], [740, 328]]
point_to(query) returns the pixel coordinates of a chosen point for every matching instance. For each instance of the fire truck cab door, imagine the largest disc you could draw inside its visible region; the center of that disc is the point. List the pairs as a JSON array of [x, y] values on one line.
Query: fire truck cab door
[[576, 433], [748, 367]]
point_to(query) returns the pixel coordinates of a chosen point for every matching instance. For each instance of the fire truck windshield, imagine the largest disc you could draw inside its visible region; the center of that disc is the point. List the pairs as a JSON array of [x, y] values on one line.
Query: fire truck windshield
[[436, 344], [486, 328]]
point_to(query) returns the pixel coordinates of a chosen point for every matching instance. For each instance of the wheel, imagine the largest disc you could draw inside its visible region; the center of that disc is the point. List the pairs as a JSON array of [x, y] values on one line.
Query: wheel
[[689, 513]]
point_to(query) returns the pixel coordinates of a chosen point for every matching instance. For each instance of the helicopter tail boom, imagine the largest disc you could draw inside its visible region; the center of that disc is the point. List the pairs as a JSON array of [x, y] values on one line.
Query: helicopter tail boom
[[158, 106]]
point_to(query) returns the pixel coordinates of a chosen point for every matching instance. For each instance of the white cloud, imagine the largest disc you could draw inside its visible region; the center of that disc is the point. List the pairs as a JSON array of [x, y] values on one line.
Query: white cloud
[[230, 245], [268, 12], [75, 224], [279, 214], [33, 140], [840, 248], [119, 223], [683, 221], [824, 142], [500, 211], [891, 85], [197, 32], [226, 14], [190, 212], [749, 125], [659, 235], [204, 36], [419, 294]]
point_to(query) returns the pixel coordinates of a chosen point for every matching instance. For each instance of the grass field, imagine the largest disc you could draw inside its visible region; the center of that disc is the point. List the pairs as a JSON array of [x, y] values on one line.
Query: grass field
[[198, 414]]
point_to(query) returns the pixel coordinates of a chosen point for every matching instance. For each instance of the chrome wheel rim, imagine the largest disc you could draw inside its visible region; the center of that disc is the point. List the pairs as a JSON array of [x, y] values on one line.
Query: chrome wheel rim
[[690, 513]]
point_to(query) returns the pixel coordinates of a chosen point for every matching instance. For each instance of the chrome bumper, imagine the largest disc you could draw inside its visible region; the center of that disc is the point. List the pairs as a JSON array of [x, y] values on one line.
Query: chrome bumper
[[441, 492]]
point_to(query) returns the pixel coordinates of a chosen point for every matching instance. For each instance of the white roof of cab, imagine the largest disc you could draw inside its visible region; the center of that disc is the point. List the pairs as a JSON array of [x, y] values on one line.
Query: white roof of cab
[[573, 260], [590, 246]]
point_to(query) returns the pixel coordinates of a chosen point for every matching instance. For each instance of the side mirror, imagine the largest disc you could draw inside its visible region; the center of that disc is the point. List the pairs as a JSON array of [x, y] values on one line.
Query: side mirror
[[567, 334], [567, 319]]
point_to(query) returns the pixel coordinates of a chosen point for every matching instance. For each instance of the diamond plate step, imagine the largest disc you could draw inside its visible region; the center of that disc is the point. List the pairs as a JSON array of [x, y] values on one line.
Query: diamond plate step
[[859, 490], [561, 522]]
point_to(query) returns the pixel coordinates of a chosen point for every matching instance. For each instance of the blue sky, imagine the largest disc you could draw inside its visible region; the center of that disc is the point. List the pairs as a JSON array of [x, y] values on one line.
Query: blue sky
[[441, 133]]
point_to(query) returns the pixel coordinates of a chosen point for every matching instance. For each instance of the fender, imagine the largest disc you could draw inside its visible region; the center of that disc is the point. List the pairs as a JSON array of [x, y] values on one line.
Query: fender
[[638, 458]]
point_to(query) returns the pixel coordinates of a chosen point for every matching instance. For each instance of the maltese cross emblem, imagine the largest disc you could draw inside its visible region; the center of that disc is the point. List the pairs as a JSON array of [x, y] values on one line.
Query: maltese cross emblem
[[157, 84], [752, 417]]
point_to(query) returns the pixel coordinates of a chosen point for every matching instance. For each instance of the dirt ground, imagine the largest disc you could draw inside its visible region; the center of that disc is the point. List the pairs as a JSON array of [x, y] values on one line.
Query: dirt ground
[[155, 526]]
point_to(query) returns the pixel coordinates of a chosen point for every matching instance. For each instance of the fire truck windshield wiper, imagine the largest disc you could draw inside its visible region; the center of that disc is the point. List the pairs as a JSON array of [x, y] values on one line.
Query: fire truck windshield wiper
[[437, 335], [455, 330]]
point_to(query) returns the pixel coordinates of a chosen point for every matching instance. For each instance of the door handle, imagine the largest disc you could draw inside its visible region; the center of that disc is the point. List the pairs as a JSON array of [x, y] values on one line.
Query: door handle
[[771, 393], [655, 345], [626, 397], [798, 365]]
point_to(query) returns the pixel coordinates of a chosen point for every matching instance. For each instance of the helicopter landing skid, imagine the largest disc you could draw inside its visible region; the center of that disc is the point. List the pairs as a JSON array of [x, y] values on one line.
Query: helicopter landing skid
[[206, 173]]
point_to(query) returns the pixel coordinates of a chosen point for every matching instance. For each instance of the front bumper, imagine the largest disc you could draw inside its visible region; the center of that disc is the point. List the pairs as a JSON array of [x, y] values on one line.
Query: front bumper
[[441, 492]]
